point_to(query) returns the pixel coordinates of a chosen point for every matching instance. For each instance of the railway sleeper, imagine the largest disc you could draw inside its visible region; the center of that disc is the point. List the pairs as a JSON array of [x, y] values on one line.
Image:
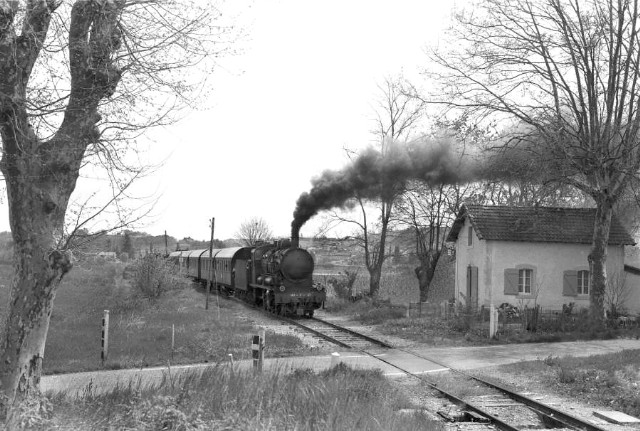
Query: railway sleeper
[[455, 414]]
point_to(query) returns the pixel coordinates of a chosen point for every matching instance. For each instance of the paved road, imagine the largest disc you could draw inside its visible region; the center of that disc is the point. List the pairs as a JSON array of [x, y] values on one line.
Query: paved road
[[457, 357]]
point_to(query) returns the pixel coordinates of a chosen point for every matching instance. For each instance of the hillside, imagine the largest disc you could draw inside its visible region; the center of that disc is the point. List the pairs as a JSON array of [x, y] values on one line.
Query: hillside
[[330, 254]]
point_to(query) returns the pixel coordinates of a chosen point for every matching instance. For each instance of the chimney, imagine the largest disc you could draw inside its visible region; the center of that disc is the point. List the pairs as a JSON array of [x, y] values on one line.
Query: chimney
[[295, 238]]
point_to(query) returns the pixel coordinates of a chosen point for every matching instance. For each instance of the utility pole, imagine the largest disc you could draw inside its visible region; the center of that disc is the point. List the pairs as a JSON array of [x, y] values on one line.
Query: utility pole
[[212, 269]]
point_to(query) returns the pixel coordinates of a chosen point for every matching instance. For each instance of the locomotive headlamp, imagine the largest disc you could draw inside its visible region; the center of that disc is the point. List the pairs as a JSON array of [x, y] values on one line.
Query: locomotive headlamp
[[282, 288]]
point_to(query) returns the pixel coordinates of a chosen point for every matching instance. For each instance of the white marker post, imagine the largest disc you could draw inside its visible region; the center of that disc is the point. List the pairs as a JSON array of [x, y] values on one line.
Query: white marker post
[[335, 359], [257, 351], [493, 321], [105, 336]]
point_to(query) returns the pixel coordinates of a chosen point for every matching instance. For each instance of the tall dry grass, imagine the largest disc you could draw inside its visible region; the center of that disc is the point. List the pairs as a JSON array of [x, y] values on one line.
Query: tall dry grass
[[337, 399]]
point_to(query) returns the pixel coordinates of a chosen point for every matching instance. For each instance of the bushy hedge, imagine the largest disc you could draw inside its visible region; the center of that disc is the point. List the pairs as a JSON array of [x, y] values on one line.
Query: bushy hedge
[[153, 275]]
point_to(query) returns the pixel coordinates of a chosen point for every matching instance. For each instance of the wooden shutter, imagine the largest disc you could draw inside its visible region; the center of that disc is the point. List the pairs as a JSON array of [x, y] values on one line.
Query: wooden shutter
[[570, 283], [511, 281], [472, 283], [474, 278]]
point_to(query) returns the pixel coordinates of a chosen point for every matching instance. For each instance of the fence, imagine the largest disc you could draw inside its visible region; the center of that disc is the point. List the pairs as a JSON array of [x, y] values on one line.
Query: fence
[[510, 320], [439, 310]]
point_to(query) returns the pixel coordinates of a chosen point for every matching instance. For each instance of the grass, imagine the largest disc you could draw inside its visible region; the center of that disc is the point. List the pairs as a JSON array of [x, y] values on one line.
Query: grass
[[337, 399], [611, 380], [141, 329], [366, 310]]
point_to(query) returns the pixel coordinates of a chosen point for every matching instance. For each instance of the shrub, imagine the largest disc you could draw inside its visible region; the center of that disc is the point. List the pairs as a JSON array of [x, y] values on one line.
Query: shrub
[[343, 283], [566, 374], [154, 275], [380, 311], [339, 285]]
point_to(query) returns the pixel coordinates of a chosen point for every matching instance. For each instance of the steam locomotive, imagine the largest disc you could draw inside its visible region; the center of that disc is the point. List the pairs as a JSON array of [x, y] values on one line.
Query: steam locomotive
[[277, 276]]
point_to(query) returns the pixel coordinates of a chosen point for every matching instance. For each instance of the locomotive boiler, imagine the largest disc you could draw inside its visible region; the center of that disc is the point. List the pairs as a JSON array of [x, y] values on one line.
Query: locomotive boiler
[[277, 277]]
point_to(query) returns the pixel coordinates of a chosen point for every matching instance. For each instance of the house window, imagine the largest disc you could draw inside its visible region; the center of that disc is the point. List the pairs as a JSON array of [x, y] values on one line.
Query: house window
[[470, 236], [524, 280], [583, 282]]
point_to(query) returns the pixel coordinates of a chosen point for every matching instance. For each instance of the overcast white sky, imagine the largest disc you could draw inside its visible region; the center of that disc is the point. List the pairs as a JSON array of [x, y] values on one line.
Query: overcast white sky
[[283, 109]]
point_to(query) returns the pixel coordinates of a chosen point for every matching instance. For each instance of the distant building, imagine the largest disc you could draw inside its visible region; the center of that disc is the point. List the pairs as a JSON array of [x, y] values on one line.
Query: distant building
[[110, 255], [532, 255]]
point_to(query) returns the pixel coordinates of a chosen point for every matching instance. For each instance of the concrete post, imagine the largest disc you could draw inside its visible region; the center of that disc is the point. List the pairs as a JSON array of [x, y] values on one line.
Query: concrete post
[[493, 321], [335, 359]]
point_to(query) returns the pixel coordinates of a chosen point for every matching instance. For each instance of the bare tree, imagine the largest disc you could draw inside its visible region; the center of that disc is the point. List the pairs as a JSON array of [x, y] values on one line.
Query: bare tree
[[429, 211], [79, 81], [617, 295], [254, 231], [567, 73], [397, 115]]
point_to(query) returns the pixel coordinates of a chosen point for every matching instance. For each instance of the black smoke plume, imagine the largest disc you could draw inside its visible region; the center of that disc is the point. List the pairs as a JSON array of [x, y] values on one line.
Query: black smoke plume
[[376, 175]]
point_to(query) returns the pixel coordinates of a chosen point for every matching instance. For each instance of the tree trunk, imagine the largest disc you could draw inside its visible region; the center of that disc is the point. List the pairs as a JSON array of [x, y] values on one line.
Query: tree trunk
[[38, 195], [375, 274], [426, 271], [598, 259]]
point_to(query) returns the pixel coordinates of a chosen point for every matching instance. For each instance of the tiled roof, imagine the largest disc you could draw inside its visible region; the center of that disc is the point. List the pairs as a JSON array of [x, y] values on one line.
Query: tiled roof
[[536, 224]]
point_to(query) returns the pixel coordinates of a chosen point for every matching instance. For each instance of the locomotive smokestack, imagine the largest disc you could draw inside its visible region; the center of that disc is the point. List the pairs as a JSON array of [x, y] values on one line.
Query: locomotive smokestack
[[295, 237]]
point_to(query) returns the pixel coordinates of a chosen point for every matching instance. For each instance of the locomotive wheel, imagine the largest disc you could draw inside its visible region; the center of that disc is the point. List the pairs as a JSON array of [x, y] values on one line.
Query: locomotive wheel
[[310, 314]]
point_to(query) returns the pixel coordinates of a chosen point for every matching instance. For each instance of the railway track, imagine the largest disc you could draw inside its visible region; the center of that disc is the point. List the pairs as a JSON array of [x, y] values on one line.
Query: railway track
[[489, 405], [336, 334]]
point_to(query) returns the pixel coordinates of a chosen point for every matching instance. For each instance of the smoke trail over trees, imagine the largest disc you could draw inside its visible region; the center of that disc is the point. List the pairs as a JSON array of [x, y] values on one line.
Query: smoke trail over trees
[[374, 174]]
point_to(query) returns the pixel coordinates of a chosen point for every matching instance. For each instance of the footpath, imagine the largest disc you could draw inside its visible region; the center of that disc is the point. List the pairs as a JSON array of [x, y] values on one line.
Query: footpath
[[457, 357]]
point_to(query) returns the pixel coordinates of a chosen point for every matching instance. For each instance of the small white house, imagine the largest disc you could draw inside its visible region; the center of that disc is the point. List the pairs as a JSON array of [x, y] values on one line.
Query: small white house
[[528, 256]]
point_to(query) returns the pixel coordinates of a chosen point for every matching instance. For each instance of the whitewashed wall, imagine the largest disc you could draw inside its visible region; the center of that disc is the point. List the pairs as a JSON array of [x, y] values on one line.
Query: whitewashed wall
[[548, 260]]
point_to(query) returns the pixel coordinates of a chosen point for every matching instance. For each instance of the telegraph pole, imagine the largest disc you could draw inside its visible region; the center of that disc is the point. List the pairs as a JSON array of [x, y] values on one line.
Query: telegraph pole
[[212, 269]]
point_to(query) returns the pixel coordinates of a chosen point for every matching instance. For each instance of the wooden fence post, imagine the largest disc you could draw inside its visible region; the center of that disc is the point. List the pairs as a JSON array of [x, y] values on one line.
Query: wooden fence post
[[105, 337], [173, 339]]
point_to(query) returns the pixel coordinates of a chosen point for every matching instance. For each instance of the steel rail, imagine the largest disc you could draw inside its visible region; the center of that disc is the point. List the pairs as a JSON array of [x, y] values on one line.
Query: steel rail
[[355, 334], [555, 414], [314, 331], [458, 401]]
